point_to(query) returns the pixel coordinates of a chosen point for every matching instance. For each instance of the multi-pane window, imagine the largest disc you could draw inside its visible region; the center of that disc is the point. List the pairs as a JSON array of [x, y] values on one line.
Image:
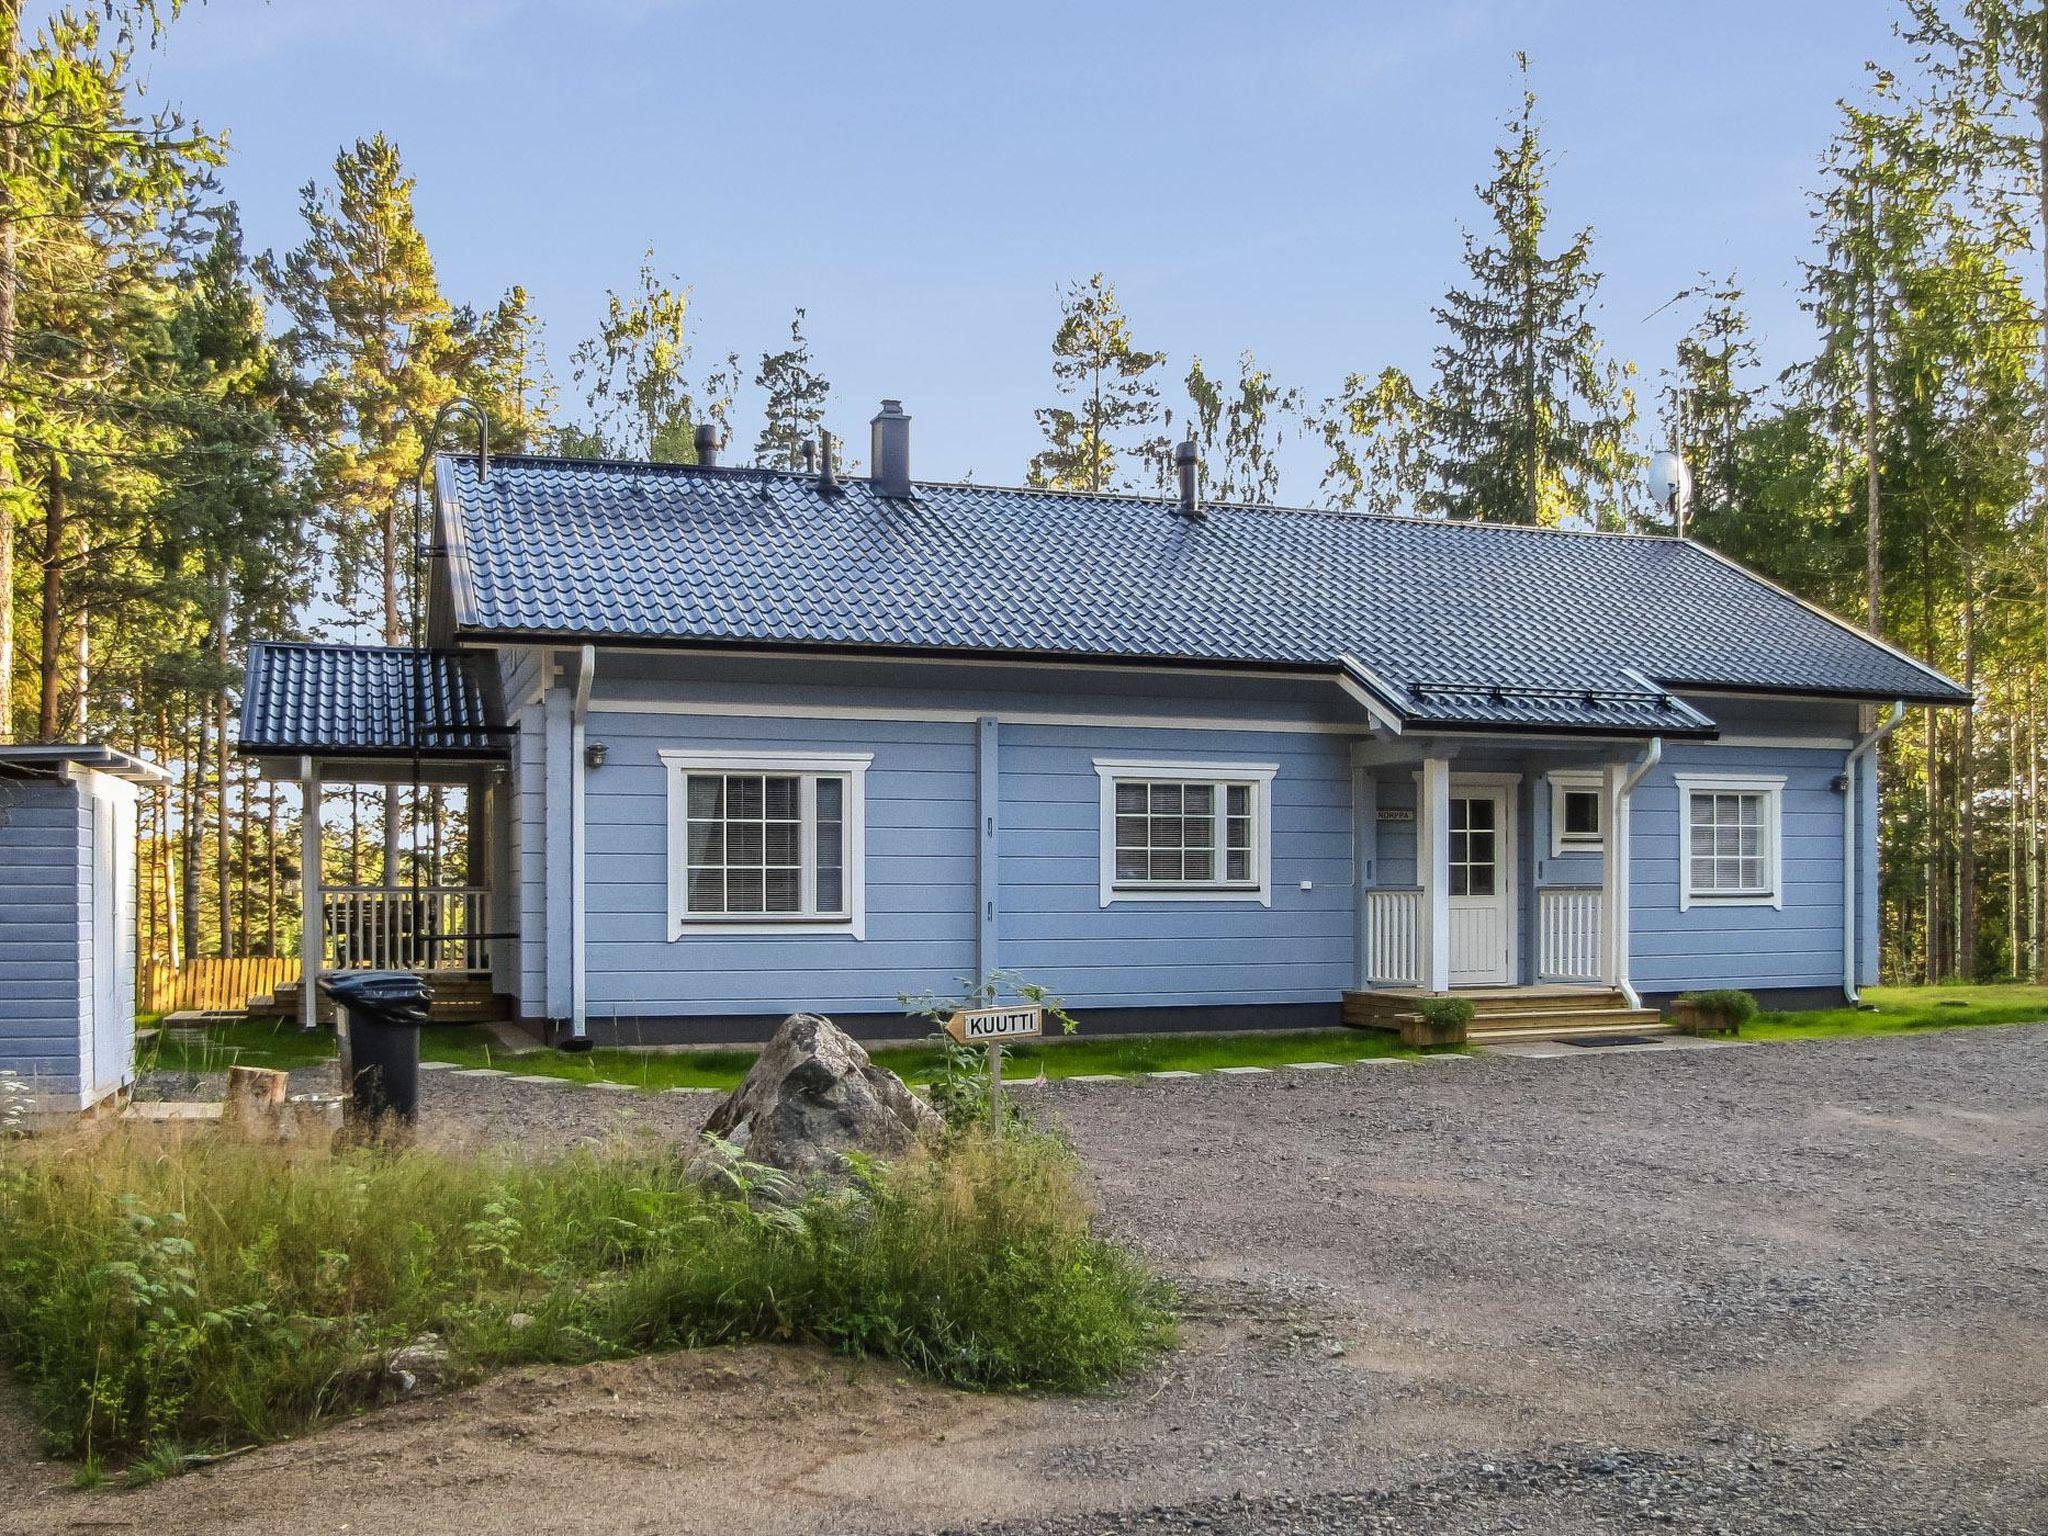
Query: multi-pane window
[[1188, 834], [765, 844], [1475, 848], [1728, 842]]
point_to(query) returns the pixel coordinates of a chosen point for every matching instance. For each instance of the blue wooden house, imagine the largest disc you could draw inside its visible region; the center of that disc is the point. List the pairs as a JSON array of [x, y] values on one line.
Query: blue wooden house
[[739, 741]]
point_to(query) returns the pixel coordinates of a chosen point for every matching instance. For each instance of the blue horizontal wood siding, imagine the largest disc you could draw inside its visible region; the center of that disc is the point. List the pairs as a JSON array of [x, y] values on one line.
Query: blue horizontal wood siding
[[1798, 945], [45, 935], [1054, 929], [920, 864]]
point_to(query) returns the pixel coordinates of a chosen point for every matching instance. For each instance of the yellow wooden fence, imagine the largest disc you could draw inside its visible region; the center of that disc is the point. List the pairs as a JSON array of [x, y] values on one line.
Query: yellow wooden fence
[[210, 983]]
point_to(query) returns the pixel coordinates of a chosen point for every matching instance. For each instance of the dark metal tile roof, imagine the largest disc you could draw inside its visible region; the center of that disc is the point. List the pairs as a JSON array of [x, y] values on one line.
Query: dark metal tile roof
[[365, 700], [1500, 625]]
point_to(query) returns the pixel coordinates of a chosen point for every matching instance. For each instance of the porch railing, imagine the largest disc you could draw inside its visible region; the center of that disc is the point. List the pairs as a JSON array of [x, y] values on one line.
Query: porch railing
[[1568, 933], [431, 928], [1393, 927]]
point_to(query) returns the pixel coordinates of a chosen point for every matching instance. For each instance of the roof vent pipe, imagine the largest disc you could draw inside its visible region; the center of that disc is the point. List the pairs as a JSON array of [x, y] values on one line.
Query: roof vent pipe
[[707, 445], [810, 452], [889, 449], [828, 476], [1185, 464]]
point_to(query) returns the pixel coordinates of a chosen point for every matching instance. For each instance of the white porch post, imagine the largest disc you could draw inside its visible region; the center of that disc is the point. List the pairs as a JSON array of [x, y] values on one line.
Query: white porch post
[[1432, 870], [312, 920], [1614, 873]]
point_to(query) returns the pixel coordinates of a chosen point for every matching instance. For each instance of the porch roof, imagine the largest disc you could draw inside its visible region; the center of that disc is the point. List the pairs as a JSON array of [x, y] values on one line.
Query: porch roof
[[367, 701], [1452, 625]]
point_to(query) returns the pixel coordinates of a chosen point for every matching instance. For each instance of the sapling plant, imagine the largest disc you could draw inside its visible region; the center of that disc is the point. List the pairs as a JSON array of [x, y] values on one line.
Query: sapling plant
[[962, 1089]]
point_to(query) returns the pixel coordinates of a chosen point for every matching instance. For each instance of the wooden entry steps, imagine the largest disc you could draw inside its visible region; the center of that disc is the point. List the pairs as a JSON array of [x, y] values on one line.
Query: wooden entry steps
[[1511, 1013], [453, 997]]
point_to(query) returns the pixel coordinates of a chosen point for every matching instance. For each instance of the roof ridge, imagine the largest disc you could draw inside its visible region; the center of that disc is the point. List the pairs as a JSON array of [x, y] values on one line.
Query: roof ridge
[[1056, 493], [355, 645]]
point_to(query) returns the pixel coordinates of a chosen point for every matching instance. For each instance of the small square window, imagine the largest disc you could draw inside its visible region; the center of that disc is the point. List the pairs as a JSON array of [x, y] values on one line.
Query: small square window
[[1577, 814]]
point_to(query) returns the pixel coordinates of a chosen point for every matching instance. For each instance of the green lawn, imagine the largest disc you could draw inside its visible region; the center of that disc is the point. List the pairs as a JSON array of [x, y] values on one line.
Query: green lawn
[[1059, 1058], [243, 1042], [1904, 1010], [267, 1043]]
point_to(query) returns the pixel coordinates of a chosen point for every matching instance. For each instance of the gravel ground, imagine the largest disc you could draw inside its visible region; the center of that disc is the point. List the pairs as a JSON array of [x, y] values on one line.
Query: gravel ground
[[1776, 1288]]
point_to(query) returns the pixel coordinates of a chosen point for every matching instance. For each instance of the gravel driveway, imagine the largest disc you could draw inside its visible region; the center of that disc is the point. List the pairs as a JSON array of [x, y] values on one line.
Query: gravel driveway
[[1781, 1287]]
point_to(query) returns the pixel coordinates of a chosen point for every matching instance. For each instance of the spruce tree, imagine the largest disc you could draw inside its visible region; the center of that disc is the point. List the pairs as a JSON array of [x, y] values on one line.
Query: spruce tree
[[1712, 396], [795, 408], [1108, 392], [1532, 424]]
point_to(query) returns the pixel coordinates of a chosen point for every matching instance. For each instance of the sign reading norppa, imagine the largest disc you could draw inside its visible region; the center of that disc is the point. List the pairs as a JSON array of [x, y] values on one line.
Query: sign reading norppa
[[973, 1025]]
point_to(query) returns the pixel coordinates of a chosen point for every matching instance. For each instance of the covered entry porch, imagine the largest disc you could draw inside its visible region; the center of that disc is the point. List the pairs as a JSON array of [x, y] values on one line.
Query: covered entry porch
[[413, 727], [1499, 871]]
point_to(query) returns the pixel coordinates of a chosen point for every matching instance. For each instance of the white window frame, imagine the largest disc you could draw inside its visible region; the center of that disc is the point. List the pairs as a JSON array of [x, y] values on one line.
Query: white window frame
[[1772, 788], [1576, 782], [1260, 776], [852, 767]]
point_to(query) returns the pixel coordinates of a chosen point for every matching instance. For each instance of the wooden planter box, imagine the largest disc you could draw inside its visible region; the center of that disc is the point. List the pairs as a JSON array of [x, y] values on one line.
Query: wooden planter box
[[1418, 1034], [1692, 1019]]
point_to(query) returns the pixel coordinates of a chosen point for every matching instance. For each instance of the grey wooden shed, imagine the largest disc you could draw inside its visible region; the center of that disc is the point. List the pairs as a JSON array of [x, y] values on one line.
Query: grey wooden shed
[[67, 919]]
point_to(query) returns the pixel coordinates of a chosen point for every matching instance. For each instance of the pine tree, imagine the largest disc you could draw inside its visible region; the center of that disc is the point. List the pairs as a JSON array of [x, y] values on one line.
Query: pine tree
[[374, 343], [91, 196], [504, 369], [1532, 424], [1378, 437], [795, 409], [1110, 389]]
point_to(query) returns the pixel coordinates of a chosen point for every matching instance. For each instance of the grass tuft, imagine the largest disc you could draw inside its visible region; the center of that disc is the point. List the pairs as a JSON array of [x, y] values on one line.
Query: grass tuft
[[161, 1289], [1908, 1010]]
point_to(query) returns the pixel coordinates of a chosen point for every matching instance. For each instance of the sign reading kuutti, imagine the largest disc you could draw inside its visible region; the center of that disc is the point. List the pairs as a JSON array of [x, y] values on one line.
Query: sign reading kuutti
[[974, 1025]]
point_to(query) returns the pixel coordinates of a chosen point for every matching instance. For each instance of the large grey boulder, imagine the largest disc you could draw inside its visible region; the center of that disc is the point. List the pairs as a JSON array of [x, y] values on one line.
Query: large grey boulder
[[812, 1097]]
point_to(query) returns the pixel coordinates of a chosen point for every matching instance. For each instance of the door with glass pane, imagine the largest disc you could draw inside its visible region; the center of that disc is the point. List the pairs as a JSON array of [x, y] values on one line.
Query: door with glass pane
[[1481, 881]]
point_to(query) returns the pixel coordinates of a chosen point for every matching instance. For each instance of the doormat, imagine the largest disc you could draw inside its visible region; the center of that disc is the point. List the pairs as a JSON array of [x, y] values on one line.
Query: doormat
[[1594, 1042]]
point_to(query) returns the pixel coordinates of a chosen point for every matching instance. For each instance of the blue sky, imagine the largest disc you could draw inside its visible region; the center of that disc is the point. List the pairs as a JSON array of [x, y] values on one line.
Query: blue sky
[[1289, 177]]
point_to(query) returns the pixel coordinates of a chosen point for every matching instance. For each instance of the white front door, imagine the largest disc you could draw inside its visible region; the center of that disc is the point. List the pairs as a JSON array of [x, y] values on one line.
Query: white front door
[[1482, 884]]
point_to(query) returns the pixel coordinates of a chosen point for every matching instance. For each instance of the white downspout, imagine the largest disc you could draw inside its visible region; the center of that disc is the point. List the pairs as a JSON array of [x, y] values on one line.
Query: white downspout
[[1857, 753], [1618, 835], [578, 1038]]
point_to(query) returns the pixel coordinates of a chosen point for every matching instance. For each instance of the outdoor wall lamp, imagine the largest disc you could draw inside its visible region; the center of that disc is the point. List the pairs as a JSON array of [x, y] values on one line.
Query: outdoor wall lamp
[[593, 754]]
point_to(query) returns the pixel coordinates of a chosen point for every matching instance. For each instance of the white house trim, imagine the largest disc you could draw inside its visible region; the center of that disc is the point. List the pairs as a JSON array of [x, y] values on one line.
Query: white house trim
[[682, 921], [1584, 781], [1260, 775], [1772, 788], [1798, 743], [971, 716], [1432, 865]]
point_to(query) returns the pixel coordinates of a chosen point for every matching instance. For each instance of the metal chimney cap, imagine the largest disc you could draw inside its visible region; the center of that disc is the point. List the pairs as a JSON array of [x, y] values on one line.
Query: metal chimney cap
[[1184, 451], [891, 408], [707, 442]]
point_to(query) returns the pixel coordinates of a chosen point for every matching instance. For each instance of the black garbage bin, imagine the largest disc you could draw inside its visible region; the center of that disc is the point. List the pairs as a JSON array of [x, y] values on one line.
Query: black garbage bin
[[380, 1014]]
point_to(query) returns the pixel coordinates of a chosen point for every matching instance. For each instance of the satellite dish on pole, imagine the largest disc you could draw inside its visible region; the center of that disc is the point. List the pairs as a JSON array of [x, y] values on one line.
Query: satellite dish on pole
[[1670, 485]]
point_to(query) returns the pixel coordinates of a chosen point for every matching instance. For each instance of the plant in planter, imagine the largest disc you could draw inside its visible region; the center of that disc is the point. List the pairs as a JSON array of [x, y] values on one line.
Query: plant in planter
[[1713, 1013], [1436, 1021]]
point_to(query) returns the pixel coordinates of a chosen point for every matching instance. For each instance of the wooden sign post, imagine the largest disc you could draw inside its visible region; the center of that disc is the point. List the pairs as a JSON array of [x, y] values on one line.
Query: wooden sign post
[[994, 1026]]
